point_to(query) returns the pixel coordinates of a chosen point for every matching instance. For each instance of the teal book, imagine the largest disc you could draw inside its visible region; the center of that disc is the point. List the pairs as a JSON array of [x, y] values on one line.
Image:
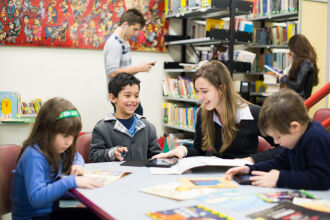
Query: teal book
[[10, 103]]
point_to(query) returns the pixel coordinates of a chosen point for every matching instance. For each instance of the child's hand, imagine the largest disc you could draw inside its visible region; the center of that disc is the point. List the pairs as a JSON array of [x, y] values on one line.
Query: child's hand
[[145, 67], [77, 170], [120, 152], [235, 170], [265, 179], [88, 182], [179, 152]]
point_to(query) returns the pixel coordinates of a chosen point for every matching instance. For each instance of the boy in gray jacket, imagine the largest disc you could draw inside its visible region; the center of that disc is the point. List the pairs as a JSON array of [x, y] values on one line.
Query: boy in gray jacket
[[123, 135]]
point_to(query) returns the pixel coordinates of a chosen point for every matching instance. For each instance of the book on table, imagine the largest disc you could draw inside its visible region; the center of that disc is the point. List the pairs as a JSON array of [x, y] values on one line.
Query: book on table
[[176, 190], [188, 163], [191, 212], [106, 176], [210, 182], [287, 210]]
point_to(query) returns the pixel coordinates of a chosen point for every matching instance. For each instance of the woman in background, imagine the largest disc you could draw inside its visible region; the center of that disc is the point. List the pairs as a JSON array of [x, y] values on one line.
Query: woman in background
[[303, 74]]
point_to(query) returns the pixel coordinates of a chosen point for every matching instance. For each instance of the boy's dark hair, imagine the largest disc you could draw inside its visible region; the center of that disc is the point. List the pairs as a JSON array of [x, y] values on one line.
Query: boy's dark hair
[[119, 81], [47, 126], [280, 109], [132, 16]]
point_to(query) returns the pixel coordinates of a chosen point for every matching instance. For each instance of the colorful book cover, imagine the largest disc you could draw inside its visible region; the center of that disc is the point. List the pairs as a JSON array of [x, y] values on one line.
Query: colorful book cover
[[284, 195], [210, 182], [9, 105], [233, 199], [287, 210], [189, 213], [176, 190], [106, 176]]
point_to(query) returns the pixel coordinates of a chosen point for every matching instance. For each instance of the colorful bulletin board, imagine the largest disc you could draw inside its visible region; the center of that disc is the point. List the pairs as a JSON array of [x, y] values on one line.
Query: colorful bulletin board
[[78, 23]]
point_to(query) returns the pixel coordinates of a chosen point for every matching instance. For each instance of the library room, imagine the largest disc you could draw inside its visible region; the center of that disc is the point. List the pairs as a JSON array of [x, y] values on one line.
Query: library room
[[198, 108]]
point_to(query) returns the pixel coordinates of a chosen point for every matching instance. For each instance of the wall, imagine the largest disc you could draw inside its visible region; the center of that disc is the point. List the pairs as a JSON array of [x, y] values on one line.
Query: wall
[[77, 75], [314, 25]]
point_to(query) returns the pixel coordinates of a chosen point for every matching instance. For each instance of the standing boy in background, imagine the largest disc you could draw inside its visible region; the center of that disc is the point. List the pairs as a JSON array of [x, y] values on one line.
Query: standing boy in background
[[117, 56], [123, 135], [304, 163]]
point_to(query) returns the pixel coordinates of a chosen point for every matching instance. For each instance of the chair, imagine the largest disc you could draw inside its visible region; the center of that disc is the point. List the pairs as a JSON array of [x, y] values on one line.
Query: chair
[[8, 158], [263, 145], [83, 145], [321, 114]]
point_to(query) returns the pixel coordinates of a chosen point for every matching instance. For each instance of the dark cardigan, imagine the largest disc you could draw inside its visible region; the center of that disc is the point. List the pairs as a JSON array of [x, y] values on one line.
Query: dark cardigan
[[244, 145], [304, 82]]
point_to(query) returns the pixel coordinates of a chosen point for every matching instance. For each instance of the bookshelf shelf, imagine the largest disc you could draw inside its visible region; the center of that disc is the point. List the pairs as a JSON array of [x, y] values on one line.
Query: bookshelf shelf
[[179, 71], [205, 41], [179, 128], [181, 99], [267, 46], [289, 16]]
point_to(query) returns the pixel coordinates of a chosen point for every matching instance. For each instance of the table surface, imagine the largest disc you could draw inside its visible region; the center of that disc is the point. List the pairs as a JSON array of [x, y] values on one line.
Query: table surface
[[122, 200]]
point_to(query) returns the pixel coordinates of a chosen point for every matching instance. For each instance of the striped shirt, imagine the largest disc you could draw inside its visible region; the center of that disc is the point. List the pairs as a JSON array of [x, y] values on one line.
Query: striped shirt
[[116, 55]]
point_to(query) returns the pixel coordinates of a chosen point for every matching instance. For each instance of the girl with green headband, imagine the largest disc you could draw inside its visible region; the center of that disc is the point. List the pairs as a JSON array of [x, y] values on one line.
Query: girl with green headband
[[49, 152]]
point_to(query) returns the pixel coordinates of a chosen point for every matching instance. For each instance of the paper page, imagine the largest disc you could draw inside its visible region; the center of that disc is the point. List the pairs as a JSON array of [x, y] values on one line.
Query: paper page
[[187, 163]]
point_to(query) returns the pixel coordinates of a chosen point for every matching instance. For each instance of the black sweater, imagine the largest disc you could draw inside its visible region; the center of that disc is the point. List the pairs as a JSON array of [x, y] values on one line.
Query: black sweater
[[245, 144]]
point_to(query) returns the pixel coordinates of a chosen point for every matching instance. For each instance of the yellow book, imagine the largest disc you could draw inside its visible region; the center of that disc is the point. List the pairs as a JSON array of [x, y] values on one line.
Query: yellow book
[[214, 23]]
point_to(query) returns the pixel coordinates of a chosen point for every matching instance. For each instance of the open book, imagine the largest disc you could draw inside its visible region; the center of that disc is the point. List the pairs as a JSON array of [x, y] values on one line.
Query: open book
[[188, 163], [176, 190], [272, 69], [106, 176]]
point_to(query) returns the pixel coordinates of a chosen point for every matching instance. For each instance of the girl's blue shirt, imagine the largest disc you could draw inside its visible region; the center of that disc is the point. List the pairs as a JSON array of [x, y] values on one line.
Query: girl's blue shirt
[[35, 190]]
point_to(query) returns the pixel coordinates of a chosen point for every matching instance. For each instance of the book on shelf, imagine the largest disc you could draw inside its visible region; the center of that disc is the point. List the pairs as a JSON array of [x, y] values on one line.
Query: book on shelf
[[9, 105], [273, 7], [207, 182], [190, 212], [322, 205], [176, 190], [106, 176], [287, 210], [185, 164], [233, 199], [179, 115]]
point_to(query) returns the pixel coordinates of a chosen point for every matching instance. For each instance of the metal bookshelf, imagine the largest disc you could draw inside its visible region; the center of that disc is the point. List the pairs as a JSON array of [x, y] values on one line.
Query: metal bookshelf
[[181, 99], [179, 128], [179, 71], [267, 46], [288, 16]]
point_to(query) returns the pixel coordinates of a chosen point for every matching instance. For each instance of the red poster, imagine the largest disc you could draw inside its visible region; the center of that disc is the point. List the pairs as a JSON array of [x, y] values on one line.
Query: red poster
[[78, 23]]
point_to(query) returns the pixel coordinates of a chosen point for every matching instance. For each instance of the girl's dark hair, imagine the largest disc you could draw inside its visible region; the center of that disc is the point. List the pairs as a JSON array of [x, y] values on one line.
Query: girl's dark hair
[[280, 109], [119, 81], [302, 50], [47, 126], [132, 16]]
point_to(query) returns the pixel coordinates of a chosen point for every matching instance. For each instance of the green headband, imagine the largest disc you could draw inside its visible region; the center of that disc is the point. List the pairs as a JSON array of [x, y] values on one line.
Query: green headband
[[68, 114]]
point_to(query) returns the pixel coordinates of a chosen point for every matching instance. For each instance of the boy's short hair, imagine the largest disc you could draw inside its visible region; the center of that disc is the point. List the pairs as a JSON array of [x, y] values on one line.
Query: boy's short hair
[[280, 109], [119, 81], [132, 16]]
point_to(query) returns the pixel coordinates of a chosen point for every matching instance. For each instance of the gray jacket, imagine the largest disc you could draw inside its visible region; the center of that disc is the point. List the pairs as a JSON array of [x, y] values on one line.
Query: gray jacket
[[110, 133]]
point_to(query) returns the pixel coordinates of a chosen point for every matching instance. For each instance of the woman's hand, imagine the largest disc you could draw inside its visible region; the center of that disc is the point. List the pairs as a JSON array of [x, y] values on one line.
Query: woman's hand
[[88, 182], [265, 179], [77, 170], [279, 76], [179, 152], [236, 170], [120, 153]]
